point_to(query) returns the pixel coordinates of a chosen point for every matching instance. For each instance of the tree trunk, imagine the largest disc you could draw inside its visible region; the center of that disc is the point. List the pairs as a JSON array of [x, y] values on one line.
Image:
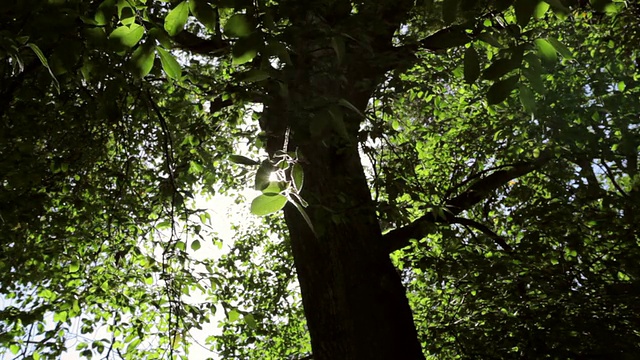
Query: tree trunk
[[354, 301]]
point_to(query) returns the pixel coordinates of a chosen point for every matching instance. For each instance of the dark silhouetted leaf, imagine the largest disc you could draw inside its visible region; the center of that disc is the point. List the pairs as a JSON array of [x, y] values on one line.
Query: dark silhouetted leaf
[[471, 65], [524, 11], [446, 39], [204, 13], [238, 25], [143, 58], [242, 160], [501, 90]]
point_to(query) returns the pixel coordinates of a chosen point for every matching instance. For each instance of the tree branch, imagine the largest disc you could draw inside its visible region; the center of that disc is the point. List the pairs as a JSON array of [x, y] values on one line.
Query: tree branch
[[478, 191], [485, 230]]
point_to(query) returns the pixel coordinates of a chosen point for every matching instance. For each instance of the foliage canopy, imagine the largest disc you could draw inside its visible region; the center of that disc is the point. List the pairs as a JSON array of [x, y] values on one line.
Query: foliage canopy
[[488, 150]]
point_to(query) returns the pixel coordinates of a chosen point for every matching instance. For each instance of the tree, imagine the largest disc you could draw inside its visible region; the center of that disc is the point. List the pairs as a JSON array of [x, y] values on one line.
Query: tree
[[499, 216]]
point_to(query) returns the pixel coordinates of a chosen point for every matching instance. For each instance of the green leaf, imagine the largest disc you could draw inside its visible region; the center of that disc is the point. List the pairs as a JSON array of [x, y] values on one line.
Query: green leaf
[[250, 321], [195, 245], [176, 19], [169, 64], [105, 11], [238, 25], [262, 175], [127, 36], [14, 348], [266, 204], [45, 63], [471, 65], [524, 10], [561, 48], [274, 187], [142, 59], [204, 13], [60, 316], [297, 175], [242, 160], [621, 85], [500, 91], [623, 277], [233, 315], [527, 99], [74, 267], [449, 11], [540, 10], [546, 51]]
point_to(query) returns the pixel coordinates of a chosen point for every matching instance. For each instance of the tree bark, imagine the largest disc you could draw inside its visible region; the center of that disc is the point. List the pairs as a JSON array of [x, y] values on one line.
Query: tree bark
[[354, 300]]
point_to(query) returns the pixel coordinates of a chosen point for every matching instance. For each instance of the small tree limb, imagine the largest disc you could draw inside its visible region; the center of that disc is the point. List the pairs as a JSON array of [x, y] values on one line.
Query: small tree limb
[[476, 192]]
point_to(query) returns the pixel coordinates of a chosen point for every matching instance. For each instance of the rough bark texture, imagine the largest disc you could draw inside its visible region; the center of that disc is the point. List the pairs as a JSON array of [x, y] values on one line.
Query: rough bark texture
[[354, 300]]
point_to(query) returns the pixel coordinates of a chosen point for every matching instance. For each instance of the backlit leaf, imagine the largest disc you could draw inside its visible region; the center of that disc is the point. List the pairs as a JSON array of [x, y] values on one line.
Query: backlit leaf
[[561, 48], [169, 64], [176, 19], [546, 51], [262, 175], [541, 9], [266, 204], [297, 175], [233, 315], [127, 36]]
